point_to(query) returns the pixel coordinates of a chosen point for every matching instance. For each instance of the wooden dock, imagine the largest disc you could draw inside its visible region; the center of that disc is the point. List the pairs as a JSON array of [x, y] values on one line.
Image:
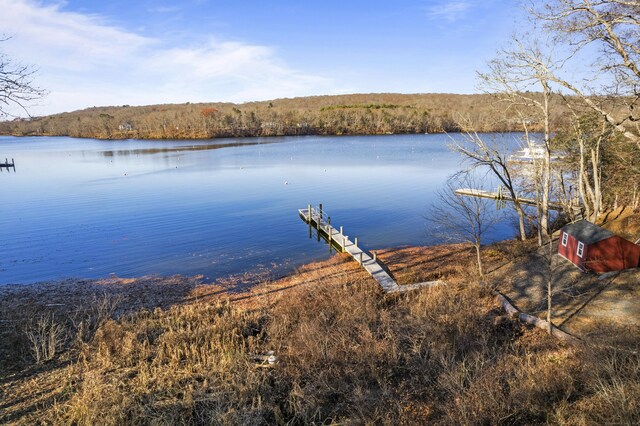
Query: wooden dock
[[8, 165], [500, 196], [317, 219]]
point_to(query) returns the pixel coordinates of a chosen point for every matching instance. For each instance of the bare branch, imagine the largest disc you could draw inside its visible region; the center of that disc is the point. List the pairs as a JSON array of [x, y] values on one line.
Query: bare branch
[[17, 88]]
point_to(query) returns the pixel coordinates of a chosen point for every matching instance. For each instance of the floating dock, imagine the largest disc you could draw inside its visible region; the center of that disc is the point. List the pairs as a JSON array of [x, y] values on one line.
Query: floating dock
[[317, 219], [8, 165], [501, 196]]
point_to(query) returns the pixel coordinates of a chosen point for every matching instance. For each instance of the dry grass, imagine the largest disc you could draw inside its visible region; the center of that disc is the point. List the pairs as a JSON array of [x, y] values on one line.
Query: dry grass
[[345, 354]]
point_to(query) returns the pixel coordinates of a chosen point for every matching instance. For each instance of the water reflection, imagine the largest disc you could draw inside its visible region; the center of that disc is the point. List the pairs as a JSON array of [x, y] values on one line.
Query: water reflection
[[88, 208], [183, 148], [8, 165]]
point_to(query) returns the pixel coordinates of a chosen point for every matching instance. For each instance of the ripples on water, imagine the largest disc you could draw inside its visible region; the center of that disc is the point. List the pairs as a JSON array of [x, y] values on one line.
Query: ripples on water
[[87, 208]]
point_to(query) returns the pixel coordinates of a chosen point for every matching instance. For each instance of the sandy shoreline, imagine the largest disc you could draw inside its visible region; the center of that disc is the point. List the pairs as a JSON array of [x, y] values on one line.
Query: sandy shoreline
[[407, 264]]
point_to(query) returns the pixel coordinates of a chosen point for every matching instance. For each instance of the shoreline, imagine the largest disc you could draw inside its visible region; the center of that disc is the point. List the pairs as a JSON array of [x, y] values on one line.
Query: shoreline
[[267, 136], [406, 263], [509, 266]]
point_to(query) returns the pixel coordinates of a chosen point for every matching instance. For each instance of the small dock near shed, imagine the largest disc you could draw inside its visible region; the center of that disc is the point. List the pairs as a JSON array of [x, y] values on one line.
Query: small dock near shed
[[8, 165], [501, 196], [317, 219]]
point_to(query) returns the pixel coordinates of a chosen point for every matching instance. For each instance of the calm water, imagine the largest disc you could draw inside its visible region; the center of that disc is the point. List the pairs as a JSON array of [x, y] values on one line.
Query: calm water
[[86, 208]]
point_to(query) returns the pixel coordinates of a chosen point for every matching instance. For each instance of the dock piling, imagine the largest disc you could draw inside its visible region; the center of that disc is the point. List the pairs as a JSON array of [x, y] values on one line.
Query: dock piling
[[369, 261], [8, 165]]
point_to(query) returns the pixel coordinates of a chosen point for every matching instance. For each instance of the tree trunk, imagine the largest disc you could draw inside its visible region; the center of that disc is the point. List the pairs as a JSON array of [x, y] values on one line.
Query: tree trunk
[[523, 229], [597, 206], [581, 179], [537, 182], [479, 258], [549, 286], [539, 231], [546, 176], [591, 198], [544, 205]]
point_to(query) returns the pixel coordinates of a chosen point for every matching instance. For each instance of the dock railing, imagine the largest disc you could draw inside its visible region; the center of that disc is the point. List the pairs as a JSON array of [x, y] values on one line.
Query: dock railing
[[321, 221]]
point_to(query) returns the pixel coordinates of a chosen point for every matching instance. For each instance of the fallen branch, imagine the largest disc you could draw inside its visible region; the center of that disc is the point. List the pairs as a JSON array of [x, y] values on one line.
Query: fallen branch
[[514, 312], [507, 306]]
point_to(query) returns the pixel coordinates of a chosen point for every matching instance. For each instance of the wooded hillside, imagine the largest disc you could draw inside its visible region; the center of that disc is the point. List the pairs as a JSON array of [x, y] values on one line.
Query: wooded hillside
[[315, 115]]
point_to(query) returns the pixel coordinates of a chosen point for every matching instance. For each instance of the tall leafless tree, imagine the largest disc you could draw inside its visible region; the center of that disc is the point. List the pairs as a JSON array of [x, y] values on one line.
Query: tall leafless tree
[[613, 27], [515, 72], [589, 167], [480, 152], [459, 218]]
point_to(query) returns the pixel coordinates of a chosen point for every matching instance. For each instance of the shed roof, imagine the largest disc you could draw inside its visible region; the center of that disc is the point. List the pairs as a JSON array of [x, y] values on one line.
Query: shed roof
[[587, 232]]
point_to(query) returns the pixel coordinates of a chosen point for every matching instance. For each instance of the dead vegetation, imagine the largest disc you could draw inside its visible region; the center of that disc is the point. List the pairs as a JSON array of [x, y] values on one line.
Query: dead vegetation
[[344, 354]]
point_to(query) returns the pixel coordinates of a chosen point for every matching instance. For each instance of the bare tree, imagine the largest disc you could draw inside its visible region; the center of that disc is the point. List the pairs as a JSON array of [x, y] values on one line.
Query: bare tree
[[17, 88], [482, 153], [516, 70], [590, 143], [550, 277], [459, 218], [612, 26]]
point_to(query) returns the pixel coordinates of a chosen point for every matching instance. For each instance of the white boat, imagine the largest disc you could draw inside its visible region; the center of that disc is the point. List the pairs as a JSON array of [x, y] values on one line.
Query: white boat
[[530, 153]]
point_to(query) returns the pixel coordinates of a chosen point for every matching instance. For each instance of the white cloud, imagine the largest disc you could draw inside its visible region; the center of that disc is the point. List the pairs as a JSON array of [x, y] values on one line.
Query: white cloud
[[84, 60], [450, 10]]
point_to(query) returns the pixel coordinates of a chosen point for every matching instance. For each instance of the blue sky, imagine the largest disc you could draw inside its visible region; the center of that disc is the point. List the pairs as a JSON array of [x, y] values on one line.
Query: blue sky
[[92, 53]]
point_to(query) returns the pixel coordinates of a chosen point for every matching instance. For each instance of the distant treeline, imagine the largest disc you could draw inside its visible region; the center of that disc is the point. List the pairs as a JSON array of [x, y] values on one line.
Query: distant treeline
[[316, 115]]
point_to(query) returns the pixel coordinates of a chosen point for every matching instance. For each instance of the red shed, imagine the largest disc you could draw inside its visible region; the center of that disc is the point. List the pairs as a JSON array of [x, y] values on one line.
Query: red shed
[[589, 246]]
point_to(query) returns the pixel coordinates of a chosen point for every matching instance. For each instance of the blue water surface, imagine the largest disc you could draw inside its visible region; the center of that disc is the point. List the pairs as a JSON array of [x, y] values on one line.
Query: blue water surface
[[87, 208]]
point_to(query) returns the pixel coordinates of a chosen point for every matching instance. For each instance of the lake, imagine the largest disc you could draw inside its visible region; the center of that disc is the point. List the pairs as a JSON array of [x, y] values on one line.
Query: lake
[[85, 208]]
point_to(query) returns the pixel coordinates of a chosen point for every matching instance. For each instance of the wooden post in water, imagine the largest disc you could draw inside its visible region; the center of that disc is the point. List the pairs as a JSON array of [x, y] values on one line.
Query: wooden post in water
[[319, 218], [341, 229], [375, 256], [309, 211], [329, 232], [355, 241], [361, 257]]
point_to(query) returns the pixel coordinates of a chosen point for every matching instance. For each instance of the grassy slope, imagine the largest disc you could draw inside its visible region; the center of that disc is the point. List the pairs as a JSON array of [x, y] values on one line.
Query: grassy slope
[[345, 354]]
